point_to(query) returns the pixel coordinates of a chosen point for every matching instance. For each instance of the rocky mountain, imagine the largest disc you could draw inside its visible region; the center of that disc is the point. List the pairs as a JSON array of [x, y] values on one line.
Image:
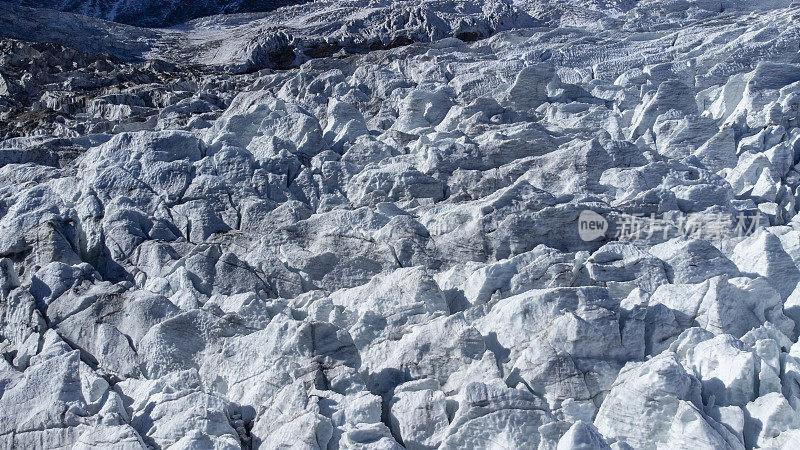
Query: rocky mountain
[[420, 224], [157, 13]]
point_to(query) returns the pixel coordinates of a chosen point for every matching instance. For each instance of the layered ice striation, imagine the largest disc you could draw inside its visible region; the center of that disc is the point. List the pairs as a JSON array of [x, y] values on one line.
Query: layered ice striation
[[422, 224]]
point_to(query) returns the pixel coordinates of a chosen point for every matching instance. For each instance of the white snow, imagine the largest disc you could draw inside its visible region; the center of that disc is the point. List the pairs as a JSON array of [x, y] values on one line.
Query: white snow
[[356, 225]]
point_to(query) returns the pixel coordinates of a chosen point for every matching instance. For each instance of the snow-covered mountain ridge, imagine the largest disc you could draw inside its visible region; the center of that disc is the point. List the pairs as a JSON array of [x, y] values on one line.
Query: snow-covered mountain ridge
[[156, 13], [403, 224]]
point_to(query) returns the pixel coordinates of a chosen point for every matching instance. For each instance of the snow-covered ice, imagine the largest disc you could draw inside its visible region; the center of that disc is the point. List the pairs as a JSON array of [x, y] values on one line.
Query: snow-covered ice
[[358, 224]]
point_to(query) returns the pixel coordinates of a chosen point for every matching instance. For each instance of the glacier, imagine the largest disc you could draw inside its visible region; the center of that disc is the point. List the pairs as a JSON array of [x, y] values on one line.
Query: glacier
[[375, 224]]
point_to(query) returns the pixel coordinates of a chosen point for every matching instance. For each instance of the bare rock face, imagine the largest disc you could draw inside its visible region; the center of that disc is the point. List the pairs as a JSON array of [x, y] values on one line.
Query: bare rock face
[[423, 224]]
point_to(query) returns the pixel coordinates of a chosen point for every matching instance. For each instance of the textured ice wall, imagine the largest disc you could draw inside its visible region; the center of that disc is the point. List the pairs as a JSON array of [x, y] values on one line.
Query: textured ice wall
[[471, 225]]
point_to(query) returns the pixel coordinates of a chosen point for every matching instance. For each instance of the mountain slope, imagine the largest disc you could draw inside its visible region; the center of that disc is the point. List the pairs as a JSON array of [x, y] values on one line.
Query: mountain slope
[[157, 13]]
